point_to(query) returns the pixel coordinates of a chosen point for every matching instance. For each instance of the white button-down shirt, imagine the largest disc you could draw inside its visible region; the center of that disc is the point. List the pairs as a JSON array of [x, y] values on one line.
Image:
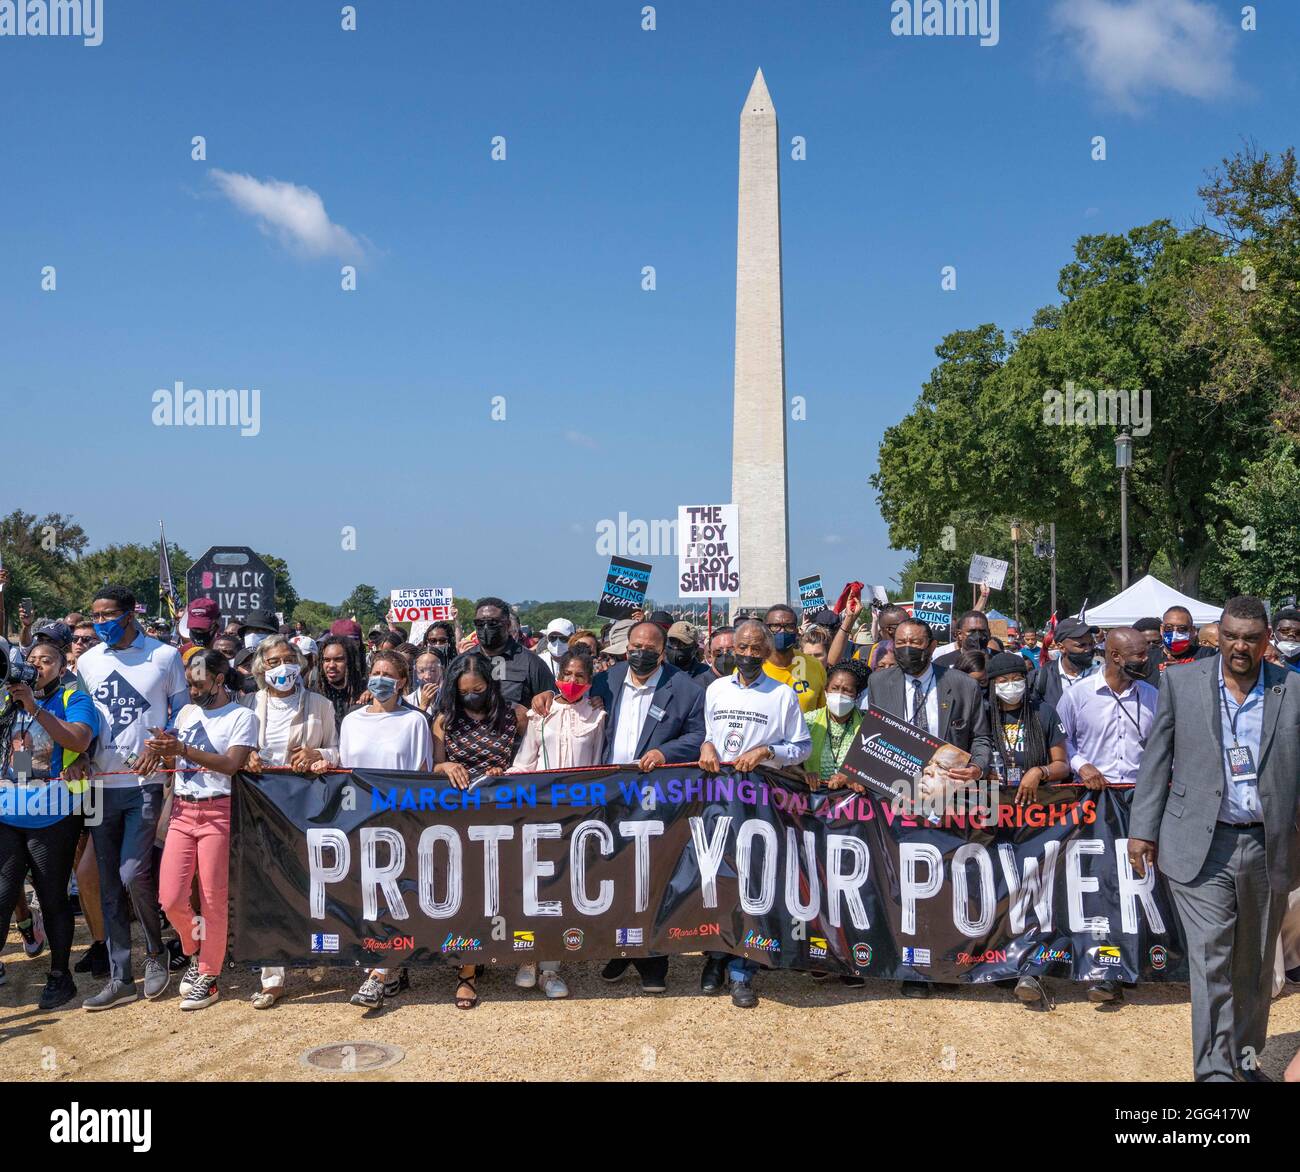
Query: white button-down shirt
[[1105, 728], [633, 708], [927, 684]]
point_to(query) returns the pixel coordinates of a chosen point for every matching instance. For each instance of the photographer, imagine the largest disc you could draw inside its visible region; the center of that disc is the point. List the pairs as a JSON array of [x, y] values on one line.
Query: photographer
[[49, 725]]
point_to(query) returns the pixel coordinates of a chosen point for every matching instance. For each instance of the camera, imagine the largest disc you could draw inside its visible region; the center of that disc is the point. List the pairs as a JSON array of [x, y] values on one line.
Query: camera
[[13, 671]]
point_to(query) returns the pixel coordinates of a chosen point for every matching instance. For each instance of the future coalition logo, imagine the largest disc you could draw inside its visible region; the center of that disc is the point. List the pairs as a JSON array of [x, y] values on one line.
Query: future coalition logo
[[760, 943], [455, 943]]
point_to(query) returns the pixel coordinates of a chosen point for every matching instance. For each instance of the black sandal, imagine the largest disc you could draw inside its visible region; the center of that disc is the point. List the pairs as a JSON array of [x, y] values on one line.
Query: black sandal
[[466, 1002]]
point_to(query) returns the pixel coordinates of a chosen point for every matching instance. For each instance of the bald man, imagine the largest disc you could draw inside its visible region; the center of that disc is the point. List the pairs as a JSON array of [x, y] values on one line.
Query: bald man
[[1107, 718], [1208, 636]]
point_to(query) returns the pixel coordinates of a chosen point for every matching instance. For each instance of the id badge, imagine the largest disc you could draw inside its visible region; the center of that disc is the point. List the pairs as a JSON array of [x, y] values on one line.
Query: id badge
[[1014, 773], [657, 713], [1241, 763]]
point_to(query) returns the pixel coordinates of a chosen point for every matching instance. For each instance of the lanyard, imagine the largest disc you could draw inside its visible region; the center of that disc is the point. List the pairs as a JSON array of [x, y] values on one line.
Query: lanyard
[[1135, 722], [1233, 716]]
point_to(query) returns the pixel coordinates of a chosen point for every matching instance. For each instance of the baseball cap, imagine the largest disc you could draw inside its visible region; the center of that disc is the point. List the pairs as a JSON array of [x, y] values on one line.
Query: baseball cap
[[305, 643], [560, 627], [202, 614], [684, 632], [616, 644], [57, 632], [347, 628], [1073, 629]]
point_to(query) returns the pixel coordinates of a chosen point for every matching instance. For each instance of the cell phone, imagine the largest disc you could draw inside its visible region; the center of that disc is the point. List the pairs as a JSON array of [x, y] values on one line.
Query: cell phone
[[27, 605]]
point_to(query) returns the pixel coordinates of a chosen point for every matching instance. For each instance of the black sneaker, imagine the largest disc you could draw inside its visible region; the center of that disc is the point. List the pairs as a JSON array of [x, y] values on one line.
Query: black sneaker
[[59, 990], [202, 993], [614, 970], [177, 961], [713, 978], [95, 962], [743, 995]]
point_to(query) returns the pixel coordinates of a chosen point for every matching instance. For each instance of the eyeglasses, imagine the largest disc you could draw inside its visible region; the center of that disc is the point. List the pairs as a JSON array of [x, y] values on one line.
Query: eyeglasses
[[775, 627], [85, 638], [107, 618], [438, 643]]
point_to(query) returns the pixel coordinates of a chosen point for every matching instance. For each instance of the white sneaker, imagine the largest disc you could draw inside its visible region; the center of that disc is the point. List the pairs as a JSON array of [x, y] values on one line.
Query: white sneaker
[[526, 977], [553, 985]]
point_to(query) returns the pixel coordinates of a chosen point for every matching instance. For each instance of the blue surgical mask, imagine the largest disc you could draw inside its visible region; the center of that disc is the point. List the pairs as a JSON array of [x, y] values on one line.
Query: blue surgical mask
[[111, 632], [784, 640], [381, 687]]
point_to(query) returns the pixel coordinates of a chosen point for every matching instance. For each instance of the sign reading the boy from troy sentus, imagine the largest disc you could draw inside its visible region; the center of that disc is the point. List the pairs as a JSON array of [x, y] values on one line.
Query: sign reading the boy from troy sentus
[[421, 604], [708, 551]]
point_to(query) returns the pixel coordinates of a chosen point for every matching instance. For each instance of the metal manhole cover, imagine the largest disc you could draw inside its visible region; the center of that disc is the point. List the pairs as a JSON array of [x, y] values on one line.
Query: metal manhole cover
[[352, 1057]]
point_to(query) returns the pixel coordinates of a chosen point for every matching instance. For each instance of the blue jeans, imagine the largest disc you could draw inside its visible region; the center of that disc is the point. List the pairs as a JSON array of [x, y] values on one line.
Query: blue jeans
[[738, 968], [124, 842]]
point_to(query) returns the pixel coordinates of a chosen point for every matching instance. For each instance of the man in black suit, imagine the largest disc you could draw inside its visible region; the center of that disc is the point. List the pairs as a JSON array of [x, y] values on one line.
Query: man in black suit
[[941, 701], [654, 716]]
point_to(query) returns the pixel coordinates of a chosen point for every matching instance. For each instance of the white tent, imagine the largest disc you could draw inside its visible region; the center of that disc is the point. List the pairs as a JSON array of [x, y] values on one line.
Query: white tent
[[1148, 596]]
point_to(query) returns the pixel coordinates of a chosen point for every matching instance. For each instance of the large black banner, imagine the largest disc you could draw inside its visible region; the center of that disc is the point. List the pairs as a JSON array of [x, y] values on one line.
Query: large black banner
[[398, 868]]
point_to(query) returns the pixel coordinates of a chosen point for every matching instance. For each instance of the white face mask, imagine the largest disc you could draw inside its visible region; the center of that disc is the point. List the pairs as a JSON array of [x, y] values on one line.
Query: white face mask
[[1012, 691], [253, 638], [840, 704], [1288, 648], [559, 647], [284, 677], [1054, 654]]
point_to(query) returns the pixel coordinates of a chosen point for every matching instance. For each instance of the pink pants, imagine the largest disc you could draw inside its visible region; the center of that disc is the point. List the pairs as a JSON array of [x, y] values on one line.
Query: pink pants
[[198, 839]]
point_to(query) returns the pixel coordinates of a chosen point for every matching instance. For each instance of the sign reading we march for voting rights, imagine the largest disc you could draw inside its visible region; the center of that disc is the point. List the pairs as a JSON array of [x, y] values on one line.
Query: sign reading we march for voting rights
[[708, 551], [428, 604]]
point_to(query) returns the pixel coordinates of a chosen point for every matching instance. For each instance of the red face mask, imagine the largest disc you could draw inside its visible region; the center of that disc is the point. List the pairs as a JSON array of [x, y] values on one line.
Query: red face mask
[[572, 691]]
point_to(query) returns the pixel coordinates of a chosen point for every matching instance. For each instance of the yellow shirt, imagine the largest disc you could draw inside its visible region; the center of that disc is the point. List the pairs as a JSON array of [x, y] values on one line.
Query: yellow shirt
[[806, 676]]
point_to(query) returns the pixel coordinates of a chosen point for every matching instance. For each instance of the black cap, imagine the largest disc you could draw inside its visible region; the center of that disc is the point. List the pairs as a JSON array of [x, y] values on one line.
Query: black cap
[[57, 632], [1006, 662], [661, 618], [259, 620], [1073, 629]]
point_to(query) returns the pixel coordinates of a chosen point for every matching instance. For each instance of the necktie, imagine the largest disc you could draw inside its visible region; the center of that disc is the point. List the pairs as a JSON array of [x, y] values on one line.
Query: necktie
[[918, 705]]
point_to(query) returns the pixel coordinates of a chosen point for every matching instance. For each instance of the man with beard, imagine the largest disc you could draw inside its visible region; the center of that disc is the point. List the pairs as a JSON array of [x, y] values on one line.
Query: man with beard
[[342, 676], [521, 673], [972, 635], [1215, 805], [1053, 678]]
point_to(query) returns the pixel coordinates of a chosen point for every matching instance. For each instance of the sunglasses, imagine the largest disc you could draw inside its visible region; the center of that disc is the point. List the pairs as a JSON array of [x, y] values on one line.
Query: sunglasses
[[85, 638]]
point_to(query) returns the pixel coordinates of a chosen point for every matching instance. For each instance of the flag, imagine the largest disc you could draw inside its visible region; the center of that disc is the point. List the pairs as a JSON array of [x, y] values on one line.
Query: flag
[[166, 588]]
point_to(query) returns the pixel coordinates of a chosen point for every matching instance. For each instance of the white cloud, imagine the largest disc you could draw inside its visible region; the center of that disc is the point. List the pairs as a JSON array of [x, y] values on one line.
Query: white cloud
[[1132, 49], [580, 439], [295, 214]]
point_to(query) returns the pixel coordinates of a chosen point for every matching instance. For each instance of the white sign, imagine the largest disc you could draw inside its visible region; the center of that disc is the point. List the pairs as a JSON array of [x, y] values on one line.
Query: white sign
[[425, 604], [988, 572], [708, 551]]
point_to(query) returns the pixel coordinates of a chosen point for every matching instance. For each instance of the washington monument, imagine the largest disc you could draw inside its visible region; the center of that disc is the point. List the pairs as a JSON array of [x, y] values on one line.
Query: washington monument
[[758, 471]]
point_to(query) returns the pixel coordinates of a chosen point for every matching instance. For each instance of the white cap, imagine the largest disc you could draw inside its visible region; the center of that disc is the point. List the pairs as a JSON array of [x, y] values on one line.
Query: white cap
[[305, 643], [560, 627]]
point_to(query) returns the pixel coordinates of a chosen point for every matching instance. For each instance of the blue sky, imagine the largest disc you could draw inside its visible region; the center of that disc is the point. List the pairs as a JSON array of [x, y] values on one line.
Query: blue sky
[[522, 278]]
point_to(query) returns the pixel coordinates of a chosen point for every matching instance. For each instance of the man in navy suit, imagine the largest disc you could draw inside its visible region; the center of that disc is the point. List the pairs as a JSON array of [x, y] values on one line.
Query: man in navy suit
[[654, 716]]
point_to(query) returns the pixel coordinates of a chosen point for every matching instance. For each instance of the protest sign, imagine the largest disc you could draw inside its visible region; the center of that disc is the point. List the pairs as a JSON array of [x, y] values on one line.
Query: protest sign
[[626, 584], [421, 604], [895, 759], [377, 867], [932, 604], [812, 596], [233, 576], [708, 551], [990, 572]]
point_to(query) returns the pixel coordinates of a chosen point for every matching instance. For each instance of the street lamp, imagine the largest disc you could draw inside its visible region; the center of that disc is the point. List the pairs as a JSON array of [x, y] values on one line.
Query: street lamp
[[1015, 545], [1123, 461]]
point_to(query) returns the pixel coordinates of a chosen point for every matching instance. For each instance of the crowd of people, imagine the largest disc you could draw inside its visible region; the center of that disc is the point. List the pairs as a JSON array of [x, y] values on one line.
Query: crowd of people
[[1198, 730]]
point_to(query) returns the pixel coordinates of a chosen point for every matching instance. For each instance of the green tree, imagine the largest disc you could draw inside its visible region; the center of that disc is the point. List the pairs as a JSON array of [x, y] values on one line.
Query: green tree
[[317, 615], [582, 613], [131, 565], [365, 605], [286, 597]]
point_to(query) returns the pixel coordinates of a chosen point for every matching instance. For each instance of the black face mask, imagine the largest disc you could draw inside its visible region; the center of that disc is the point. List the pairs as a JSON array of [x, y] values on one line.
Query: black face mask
[[681, 657], [749, 666], [441, 650], [1080, 659], [475, 701], [975, 641], [724, 663], [911, 660], [1135, 669], [643, 660], [201, 638], [491, 632]]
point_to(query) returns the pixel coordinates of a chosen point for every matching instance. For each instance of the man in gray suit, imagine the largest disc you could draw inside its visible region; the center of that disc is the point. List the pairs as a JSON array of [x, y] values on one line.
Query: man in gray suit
[[1215, 806], [941, 701]]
